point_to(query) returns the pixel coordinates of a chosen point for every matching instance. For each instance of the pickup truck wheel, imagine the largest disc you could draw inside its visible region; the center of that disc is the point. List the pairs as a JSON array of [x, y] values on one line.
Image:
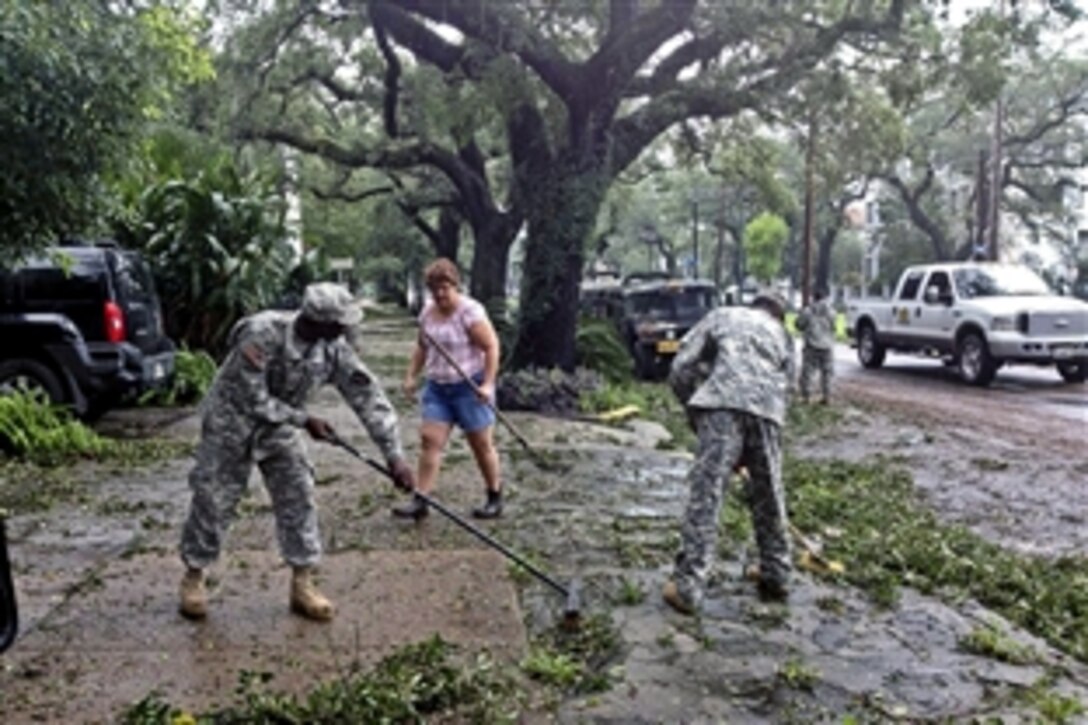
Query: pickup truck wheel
[[27, 374], [1073, 372], [870, 352], [975, 365]]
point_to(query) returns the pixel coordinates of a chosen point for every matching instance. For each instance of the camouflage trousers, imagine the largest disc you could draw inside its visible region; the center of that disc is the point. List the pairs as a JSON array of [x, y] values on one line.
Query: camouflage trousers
[[816, 360], [224, 462], [728, 438]]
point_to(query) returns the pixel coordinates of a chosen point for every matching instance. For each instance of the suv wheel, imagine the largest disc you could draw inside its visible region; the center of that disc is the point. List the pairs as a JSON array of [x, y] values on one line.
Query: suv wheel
[[1073, 372], [975, 365], [27, 374]]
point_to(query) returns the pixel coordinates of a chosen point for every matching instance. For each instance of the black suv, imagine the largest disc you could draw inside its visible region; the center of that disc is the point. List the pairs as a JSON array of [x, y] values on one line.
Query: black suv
[[84, 325]]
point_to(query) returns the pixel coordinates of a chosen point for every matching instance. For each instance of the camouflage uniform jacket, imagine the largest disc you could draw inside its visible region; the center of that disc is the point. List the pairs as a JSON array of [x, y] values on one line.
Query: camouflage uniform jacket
[[736, 358], [817, 322], [265, 380]]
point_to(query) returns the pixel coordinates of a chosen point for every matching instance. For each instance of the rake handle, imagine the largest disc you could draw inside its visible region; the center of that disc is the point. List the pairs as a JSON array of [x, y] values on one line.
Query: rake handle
[[475, 388], [457, 519]]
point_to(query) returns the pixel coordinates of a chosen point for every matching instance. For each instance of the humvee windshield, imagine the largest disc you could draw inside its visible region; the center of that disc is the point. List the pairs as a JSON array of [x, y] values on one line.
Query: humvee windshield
[[670, 302]]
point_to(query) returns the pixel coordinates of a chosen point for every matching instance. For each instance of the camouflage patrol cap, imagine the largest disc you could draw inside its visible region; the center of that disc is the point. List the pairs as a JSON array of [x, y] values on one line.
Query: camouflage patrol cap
[[771, 298], [328, 302]]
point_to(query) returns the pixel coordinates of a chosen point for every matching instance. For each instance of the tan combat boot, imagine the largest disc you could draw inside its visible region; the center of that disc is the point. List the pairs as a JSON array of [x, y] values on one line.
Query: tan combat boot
[[306, 599], [672, 596], [194, 596]]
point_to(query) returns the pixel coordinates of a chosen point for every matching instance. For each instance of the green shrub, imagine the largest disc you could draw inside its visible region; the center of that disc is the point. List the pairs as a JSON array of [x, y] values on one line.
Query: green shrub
[[193, 375], [598, 347]]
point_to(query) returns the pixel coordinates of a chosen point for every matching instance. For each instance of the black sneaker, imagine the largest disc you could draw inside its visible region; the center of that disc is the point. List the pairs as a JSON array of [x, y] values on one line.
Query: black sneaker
[[773, 591], [490, 510], [417, 509]]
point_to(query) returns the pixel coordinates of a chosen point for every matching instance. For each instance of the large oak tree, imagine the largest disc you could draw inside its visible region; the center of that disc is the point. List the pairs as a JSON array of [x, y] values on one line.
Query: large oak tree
[[586, 87]]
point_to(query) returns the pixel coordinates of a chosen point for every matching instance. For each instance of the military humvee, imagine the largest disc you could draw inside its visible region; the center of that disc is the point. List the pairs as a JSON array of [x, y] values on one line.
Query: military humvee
[[651, 311]]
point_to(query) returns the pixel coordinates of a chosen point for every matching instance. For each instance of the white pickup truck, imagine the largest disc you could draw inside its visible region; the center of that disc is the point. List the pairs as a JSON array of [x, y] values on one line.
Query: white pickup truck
[[977, 316]]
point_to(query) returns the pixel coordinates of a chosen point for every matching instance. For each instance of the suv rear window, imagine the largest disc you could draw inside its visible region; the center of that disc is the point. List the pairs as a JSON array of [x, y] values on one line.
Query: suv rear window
[[50, 284]]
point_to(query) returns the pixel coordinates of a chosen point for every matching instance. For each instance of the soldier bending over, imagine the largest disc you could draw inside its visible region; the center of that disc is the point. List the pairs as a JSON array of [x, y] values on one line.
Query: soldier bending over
[[732, 373], [253, 414]]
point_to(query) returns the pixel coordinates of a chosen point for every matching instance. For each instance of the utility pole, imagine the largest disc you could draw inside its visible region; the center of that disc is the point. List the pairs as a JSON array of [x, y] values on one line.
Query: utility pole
[[995, 180], [695, 236], [983, 196], [806, 262], [996, 169]]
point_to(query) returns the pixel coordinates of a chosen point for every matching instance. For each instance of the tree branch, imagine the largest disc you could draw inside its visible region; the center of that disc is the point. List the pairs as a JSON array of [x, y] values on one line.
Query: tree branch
[[490, 23], [1066, 108], [918, 216], [399, 157], [664, 73], [774, 76], [630, 45], [620, 14], [391, 78], [423, 42], [337, 193]]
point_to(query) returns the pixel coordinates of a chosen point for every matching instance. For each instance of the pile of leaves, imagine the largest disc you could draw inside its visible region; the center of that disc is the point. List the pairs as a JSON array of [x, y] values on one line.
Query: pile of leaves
[[551, 391], [418, 683], [35, 431], [39, 443], [575, 662], [888, 539]]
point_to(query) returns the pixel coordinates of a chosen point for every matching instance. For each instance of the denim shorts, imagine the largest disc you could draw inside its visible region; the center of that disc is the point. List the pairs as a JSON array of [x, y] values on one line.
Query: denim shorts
[[456, 403]]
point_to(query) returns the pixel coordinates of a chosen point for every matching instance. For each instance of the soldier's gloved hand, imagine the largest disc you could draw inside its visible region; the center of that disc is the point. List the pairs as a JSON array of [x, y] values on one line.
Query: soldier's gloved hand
[[320, 429], [403, 475]]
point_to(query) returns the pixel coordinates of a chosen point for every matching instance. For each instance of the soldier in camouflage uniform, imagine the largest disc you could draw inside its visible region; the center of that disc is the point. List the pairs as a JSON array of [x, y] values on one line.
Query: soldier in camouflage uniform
[[732, 373], [253, 414], [817, 323]]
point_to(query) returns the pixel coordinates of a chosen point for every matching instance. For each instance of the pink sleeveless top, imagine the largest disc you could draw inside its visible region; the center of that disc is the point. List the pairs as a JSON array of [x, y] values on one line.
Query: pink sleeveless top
[[452, 334]]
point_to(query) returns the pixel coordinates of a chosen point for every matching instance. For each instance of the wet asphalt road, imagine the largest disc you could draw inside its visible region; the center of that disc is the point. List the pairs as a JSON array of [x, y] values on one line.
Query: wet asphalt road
[[1033, 399]]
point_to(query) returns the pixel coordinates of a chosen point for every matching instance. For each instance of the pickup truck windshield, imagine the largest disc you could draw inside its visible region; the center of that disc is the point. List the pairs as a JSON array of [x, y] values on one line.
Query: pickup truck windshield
[[998, 282]]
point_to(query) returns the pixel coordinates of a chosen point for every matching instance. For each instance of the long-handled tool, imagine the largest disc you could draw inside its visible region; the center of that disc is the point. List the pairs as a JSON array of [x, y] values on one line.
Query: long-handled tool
[[572, 614], [9, 612], [476, 389], [812, 555]]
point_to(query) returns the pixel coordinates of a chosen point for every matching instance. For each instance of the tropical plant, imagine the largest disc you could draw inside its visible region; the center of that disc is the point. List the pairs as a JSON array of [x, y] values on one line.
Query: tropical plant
[[218, 248]]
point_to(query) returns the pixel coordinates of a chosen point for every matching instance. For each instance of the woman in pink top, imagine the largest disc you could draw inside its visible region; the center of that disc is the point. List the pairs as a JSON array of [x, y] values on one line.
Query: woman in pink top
[[460, 325]]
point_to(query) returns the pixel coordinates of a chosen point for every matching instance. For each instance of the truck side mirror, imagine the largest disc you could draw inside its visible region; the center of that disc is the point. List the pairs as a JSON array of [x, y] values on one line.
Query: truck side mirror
[[933, 296]]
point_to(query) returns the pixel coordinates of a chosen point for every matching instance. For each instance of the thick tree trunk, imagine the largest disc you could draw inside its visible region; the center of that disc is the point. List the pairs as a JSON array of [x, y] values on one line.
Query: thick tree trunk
[[447, 241], [562, 211], [490, 260]]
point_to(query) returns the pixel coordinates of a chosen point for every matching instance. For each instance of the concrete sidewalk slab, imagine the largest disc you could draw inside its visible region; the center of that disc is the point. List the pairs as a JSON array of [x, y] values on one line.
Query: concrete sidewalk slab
[[122, 638]]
